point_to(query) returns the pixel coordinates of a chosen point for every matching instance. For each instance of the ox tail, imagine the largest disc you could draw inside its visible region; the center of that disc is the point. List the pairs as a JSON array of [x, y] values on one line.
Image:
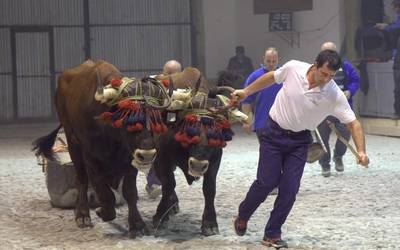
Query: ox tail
[[44, 145]]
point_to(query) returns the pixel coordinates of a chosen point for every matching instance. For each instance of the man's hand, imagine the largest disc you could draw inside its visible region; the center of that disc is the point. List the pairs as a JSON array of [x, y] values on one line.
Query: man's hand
[[247, 127], [347, 93], [238, 95], [363, 159], [380, 26]]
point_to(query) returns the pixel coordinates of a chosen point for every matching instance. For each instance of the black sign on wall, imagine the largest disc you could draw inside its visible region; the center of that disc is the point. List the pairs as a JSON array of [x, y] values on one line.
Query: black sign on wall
[[280, 21], [268, 6]]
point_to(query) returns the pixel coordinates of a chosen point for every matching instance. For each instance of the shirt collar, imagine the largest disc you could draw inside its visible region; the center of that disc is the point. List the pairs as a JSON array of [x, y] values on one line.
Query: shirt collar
[[306, 84]]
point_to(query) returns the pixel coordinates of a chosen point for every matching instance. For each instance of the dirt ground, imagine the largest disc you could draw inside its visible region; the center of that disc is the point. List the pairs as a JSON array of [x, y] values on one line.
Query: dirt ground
[[359, 209]]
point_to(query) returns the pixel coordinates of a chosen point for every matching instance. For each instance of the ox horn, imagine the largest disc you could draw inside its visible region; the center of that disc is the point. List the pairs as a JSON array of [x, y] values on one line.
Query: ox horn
[[227, 88], [170, 87], [227, 105], [100, 88], [196, 87], [99, 95]]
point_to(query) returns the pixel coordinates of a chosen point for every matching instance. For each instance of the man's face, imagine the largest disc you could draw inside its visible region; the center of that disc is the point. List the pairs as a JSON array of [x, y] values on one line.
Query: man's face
[[270, 60], [323, 74], [396, 8]]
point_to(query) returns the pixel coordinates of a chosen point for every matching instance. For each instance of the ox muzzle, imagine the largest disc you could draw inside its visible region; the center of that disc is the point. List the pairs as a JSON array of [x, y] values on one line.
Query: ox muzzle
[[197, 168], [143, 159]]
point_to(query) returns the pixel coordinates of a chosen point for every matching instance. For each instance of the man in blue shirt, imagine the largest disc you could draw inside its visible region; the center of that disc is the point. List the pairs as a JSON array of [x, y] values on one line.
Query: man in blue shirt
[[261, 100], [348, 81]]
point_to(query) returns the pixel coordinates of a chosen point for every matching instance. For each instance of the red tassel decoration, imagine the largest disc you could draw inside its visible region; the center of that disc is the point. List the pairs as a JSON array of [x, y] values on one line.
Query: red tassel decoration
[[191, 118], [225, 124], [129, 105], [116, 82], [131, 128], [195, 139], [118, 123], [164, 128], [106, 116], [165, 82], [179, 136]]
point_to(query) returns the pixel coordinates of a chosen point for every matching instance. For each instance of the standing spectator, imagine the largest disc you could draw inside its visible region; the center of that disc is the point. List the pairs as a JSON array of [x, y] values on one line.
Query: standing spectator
[[348, 81], [308, 95], [263, 100], [395, 28], [240, 64], [396, 23]]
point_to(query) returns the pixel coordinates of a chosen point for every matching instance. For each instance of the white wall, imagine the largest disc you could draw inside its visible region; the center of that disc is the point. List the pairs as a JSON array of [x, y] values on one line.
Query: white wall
[[220, 34], [228, 23]]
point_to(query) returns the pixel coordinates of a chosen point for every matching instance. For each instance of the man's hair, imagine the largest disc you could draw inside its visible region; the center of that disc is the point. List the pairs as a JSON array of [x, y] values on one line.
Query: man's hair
[[329, 56], [329, 45], [171, 67], [272, 50], [239, 49]]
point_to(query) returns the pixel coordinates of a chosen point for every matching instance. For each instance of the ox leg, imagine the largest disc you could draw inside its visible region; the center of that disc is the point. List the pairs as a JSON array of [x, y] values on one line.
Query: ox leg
[[169, 200], [209, 225], [130, 193], [106, 197], [82, 214]]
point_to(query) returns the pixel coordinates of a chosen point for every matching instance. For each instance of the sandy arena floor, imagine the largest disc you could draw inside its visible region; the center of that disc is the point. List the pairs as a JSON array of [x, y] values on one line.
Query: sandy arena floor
[[359, 209]]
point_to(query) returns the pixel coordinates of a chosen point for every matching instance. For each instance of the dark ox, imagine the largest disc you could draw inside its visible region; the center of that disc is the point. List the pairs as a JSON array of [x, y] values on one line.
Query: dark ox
[[193, 143], [102, 150]]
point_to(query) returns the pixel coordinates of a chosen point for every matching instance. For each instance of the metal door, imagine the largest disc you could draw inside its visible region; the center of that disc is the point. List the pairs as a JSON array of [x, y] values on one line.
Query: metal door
[[33, 73]]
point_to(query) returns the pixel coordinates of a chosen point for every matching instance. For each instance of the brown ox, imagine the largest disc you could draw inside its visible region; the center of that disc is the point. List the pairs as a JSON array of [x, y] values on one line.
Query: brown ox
[[102, 154]]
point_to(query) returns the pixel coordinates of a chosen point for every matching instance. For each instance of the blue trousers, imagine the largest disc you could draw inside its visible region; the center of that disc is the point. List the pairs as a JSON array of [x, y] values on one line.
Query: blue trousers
[[340, 148], [283, 155]]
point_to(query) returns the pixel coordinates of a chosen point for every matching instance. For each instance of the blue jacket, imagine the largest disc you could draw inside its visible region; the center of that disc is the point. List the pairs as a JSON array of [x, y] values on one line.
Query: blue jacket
[[395, 25], [264, 98], [353, 79]]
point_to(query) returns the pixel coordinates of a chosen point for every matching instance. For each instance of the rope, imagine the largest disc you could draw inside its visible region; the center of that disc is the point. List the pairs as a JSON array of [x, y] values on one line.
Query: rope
[[139, 96]]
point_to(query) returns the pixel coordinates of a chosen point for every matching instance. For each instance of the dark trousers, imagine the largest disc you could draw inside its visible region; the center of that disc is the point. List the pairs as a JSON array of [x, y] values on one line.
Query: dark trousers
[[283, 154], [152, 178], [258, 133], [396, 105], [340, 148]]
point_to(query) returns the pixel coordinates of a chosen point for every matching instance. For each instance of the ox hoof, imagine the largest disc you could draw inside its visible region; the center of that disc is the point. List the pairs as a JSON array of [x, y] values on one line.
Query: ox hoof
[[209, 228], [83, 222], [138, 232], [159, 223], [106, 214]]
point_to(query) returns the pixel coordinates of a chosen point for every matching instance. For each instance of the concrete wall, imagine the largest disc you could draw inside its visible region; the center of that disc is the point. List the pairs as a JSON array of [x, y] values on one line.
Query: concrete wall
[[228, 23]]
